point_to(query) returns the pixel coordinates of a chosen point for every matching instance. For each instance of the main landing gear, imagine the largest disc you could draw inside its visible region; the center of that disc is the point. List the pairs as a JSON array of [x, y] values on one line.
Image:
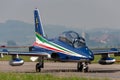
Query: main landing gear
[[82, 67], [40, 64]]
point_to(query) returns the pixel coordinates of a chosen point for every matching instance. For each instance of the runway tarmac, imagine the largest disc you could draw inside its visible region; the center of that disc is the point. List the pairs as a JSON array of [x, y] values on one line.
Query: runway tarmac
[[111, 72]]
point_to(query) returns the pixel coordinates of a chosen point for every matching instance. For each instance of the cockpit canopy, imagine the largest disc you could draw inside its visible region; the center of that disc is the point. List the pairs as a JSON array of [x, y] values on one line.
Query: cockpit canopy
[[72, 38]]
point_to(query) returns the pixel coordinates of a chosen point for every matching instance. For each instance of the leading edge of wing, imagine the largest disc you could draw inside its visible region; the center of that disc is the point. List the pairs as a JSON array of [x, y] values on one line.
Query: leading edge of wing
[[26, 53], [98, 52]]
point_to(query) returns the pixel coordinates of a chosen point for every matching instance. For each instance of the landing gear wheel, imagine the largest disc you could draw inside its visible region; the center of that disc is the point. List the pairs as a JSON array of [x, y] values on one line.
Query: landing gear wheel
[[79, 67], [38, 67], [40, 64], [86, 68], [82, 67]]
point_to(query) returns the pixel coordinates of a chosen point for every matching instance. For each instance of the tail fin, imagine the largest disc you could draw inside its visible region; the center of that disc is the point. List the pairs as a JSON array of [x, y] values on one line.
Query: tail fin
[[38, 24]]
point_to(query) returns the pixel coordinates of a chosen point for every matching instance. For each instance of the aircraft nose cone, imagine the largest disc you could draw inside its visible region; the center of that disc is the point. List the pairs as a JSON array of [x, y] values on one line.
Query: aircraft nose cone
[[88, 53], [91, 57]]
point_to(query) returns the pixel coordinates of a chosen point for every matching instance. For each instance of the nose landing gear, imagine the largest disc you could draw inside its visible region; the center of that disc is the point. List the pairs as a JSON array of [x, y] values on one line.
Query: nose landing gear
[[82, 67]]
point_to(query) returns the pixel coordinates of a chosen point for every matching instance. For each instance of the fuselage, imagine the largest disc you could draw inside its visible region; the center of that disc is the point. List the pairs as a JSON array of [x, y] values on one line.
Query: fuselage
[[64, 51]]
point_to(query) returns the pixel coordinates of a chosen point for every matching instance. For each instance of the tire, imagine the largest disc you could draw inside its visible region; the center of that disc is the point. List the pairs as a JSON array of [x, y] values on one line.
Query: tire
[[38, 67], [79, 67], [86, 69]]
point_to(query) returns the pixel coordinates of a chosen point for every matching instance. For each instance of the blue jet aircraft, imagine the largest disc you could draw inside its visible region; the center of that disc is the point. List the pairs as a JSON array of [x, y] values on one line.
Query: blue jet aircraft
[[68, 47]]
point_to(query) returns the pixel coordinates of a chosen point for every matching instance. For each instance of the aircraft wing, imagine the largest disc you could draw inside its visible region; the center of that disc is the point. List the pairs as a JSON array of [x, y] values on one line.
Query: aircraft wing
[[99, 52], [34, 55], [28, 53], [24, 53]]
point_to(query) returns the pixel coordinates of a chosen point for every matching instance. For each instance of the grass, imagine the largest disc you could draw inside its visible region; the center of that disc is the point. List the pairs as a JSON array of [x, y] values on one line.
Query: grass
[[97, 58], [7, 58], [36, 76]]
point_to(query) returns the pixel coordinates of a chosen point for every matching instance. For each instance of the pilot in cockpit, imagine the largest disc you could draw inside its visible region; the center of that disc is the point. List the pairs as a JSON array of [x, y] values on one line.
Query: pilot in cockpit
[[72, 38]]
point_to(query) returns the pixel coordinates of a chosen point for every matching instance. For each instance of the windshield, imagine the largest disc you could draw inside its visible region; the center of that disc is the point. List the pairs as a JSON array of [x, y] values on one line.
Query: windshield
[[79, 42], [72, 38]]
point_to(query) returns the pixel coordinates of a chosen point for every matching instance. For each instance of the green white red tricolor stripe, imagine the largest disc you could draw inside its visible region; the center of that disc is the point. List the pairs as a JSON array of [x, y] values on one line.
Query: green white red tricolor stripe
[[44, 43]]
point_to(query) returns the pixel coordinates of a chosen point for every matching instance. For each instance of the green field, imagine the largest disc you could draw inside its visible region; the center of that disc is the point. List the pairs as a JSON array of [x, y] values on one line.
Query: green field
[[7, 58], [97, 58], [38, 76]]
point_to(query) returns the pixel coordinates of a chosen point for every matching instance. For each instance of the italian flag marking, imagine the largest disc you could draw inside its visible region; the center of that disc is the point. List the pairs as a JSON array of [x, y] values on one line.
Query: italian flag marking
[[43, 43]]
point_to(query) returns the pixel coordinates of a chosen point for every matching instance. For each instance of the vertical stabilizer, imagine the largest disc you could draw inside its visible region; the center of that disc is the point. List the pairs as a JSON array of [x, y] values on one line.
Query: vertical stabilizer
[[38, 24]]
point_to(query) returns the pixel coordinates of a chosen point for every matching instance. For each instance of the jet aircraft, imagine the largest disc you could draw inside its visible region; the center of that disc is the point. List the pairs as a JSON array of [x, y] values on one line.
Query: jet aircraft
[[68, 47]]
